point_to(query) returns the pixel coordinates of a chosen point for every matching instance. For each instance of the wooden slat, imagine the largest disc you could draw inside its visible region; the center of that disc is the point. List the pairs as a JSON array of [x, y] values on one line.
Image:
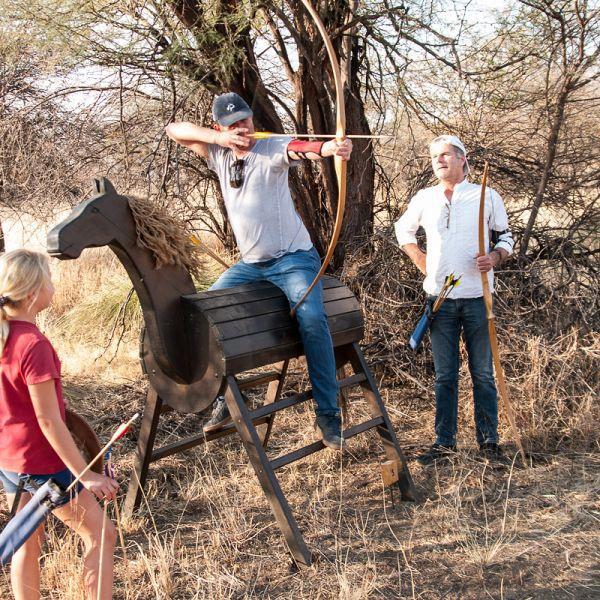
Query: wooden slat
[[246, 287], [195, 440], [252, 360], [248, 293], [242, 310], [286, 459], [296, 399], [275, 321], [283, 336], [235, 297], [344, 321], [255, 307], [256, 380], [257, 324]]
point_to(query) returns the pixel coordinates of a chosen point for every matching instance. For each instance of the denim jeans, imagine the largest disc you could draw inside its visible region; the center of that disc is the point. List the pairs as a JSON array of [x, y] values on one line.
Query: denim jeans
[[469, 315], [11, 481], [293, 273]]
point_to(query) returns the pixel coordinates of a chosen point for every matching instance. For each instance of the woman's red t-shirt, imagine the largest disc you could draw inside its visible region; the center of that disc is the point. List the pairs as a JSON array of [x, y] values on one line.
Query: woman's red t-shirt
[[28, 358]]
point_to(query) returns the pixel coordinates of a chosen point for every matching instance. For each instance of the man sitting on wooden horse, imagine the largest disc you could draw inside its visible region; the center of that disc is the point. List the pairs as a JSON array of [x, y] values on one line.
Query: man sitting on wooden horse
[[274, 243]]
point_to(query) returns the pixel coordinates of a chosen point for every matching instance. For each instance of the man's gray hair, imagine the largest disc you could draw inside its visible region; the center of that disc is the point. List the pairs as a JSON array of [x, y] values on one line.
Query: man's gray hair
[[458, 146]]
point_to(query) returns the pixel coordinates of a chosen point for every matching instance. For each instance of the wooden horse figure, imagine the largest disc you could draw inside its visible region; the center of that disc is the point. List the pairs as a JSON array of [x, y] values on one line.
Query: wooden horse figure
[[196, 346]]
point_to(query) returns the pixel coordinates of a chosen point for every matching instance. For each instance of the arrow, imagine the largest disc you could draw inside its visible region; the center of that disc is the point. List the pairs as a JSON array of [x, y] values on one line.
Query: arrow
[[121, 431], [261, 135], [197, 242]]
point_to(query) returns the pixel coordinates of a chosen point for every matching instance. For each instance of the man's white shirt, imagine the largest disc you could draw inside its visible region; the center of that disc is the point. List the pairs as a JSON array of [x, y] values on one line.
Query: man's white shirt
[[452, 230]]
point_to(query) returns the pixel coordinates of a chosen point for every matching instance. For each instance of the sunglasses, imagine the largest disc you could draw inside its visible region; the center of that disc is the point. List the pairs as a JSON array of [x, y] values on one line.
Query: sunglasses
[[236, 173]]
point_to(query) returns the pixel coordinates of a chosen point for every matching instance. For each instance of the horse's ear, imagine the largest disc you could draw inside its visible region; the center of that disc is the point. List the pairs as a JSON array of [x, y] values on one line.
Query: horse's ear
[[104, 186]]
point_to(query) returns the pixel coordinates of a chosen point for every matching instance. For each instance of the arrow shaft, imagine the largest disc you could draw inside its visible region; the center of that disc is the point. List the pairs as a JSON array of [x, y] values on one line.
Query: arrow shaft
[[259, 135], [112, 440]]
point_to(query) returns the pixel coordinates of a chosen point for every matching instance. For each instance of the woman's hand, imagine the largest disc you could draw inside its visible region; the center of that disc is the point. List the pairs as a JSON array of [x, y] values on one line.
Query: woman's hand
[[101, 486]]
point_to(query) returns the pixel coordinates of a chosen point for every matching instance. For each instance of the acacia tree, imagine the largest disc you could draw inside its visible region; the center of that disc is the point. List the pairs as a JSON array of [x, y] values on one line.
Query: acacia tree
[[39, 166], [569, 33], [179, 52]]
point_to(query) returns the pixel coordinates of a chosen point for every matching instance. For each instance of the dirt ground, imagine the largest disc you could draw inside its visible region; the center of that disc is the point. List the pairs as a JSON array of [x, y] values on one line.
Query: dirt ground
[[205, 529]]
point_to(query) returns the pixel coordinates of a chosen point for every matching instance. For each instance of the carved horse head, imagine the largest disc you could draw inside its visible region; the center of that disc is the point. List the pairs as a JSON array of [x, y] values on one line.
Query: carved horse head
[[102, 220], [176, 367]]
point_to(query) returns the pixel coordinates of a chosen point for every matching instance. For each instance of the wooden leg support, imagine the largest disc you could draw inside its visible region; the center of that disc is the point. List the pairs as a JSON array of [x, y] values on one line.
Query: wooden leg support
[[385, 430], [265, 473], [148, 428], [255, 441], [273, 393]]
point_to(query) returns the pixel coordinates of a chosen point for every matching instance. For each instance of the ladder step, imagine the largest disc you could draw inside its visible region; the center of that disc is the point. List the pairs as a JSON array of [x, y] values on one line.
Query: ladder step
[[268, 409], [286, 459], [196, 440], [256, 380], [258, 416]]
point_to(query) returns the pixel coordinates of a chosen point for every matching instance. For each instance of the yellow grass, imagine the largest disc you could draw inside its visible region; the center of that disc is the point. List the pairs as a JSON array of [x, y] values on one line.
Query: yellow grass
[[205, 529]]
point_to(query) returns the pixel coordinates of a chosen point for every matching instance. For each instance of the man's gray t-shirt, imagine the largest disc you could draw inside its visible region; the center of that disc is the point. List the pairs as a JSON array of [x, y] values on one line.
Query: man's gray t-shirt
[[261, 212]]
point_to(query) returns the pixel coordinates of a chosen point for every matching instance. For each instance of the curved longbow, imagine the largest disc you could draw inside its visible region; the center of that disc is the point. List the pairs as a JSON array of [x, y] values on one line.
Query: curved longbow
[[489, 308], [340, 165]]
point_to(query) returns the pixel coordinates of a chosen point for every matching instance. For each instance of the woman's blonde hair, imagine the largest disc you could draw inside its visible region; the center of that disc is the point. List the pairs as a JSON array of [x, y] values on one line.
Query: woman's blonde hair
[[22, 272]]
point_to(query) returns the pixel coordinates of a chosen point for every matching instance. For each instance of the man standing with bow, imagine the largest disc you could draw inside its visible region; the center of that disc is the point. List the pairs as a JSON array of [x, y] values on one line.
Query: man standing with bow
[[449, 214], [274, 243]]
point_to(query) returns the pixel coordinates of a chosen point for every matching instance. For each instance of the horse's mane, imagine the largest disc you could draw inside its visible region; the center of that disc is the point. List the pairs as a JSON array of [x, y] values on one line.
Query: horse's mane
[[165, 236]]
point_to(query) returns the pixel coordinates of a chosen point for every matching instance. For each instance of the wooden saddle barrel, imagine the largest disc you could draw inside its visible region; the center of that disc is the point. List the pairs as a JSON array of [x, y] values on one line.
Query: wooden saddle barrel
[[249, 326]]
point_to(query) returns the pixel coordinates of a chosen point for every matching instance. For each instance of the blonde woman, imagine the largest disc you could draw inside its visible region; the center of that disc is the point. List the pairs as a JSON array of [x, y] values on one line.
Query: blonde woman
[[35, 444]]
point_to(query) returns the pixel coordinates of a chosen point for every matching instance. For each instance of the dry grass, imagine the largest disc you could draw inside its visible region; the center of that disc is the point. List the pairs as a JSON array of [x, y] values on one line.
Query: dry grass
[[205, 529]]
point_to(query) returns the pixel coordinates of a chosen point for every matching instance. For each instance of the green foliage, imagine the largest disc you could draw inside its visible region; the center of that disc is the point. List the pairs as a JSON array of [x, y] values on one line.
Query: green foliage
[[111, 311], [111, 307], [139, 35]]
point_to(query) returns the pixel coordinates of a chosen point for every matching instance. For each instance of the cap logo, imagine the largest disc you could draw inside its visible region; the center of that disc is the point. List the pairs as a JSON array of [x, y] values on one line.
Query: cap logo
[[230, 107]]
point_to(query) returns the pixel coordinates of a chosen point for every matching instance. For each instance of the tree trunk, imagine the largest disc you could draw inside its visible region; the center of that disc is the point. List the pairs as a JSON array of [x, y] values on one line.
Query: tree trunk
[[313, 186]]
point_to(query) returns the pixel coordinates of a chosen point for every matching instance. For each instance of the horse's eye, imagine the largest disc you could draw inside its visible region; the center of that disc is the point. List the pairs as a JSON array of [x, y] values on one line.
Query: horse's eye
[[95, 209]]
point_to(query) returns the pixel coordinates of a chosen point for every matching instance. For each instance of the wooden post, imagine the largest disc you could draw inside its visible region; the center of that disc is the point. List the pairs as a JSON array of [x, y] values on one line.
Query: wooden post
[[273, 393], [146, 437], [385, 430], [265, 473]]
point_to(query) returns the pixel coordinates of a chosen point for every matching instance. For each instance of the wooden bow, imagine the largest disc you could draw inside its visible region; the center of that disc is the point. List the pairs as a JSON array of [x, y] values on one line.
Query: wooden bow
[[340, 165], [487, 298]]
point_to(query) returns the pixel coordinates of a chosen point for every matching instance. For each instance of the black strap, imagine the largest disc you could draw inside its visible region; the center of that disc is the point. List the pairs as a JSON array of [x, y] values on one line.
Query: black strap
[[18, 494]]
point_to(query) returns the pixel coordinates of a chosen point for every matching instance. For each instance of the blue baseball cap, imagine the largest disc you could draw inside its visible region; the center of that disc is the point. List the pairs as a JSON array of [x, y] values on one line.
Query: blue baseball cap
[[229, 108]]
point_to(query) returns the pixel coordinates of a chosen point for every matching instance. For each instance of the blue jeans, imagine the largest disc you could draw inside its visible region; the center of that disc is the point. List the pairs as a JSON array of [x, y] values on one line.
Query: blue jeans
[[293, 273], [469, 315]]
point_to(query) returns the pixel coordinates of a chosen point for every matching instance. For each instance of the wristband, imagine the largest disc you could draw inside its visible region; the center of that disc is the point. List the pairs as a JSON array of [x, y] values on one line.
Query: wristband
[[303, 147]]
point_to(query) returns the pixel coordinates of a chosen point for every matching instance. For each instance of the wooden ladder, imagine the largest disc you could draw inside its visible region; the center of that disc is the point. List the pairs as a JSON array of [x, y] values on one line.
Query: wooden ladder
[[254, 428]]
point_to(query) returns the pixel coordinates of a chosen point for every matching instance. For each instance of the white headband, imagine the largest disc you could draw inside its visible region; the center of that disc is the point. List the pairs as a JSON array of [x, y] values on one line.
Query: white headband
[[453, 141]]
